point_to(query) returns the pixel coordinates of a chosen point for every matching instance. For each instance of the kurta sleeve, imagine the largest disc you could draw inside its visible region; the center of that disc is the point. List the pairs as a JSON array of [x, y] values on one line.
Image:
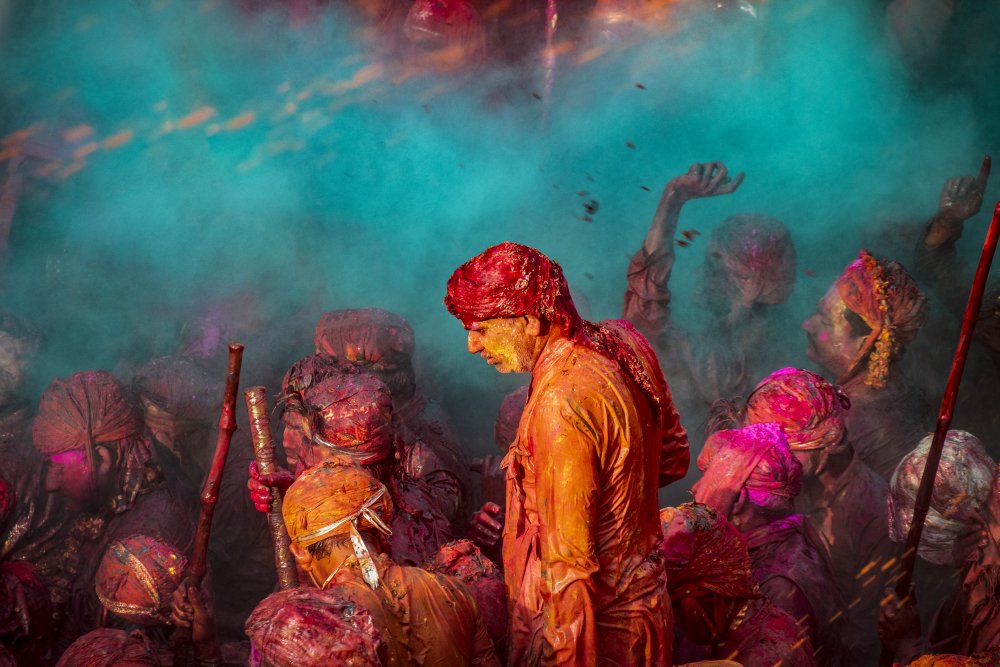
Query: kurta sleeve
[[566, 449]]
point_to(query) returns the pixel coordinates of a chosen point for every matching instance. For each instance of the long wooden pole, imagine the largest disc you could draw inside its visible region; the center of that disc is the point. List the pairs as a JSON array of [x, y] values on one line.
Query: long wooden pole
[[922, 503], [263, 450], [198, 564]]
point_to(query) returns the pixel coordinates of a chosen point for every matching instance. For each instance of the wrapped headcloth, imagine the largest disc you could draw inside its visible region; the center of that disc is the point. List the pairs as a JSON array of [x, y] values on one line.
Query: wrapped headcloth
[[351, 415], [514, 280], [463, 560], [704, 553], [110, 647], [810, 410], [92, 408], [137, 578], [755, 252], [509, 416], [308, 626], [755, 458], [452, 25], [179, 387], [336, 499], [884, 295], [306, 372], [962, 485], [368, 337]]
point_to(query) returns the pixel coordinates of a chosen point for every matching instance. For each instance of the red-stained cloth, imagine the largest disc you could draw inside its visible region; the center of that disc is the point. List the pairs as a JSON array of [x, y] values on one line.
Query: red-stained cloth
[[352, 415], [463, 560], [25, 613], [308, 626], [755, 459], [109, 647], [810, 410], [370, 337], [137, 578], [447, 24], [8, 500], [87, 408]]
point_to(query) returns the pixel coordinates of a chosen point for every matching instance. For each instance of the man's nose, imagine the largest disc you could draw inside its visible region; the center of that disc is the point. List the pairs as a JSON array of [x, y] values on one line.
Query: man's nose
[[475, 343]]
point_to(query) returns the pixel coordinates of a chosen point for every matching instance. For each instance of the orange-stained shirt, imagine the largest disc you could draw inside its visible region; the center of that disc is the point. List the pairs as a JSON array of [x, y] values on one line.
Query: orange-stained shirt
[[582, 516], [426, 619]]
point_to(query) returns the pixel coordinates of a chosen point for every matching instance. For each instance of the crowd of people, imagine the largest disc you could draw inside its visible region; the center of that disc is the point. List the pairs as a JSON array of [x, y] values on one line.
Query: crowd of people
[[406, 552]]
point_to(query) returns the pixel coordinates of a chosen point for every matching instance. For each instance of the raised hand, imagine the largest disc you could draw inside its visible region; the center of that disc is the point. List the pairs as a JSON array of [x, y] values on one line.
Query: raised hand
[[486, 526], [260, 486], [962, 197], [704, 180]]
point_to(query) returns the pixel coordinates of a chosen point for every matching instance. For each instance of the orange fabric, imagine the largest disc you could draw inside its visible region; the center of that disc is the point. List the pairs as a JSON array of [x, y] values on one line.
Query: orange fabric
[[580, 540], [427, 619]]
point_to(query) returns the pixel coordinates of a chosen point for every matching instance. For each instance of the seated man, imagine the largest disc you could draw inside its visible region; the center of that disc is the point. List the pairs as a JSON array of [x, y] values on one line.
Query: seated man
[[92, 432], [842, 498], [337, 518], [861, 325], [720, 614], [751, 478]]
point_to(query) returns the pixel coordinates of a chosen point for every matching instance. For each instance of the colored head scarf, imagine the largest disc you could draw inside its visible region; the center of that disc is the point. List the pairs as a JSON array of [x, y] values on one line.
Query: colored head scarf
[[181, 388], [351, 415], [756, 256], [706, 559], [884, 295], [962, 485], [810, 410], [110, 647], [505, 426], [306, 372], [337, 499], [756, 459], [463, 560], [92, 408], [452, 25], [513, 280], [137, 578], [308, 626]]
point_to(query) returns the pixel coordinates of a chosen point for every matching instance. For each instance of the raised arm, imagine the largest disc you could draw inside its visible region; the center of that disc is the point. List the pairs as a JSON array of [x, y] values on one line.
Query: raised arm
[[647, 297]]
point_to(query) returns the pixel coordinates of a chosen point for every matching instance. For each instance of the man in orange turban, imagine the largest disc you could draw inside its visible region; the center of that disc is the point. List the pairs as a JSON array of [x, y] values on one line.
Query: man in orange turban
[[99, 459], [857, 334], [338, 517], [580, 556]]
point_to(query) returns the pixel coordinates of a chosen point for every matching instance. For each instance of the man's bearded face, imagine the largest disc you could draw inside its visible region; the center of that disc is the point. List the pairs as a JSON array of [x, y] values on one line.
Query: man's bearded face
[[69, 474], [832, 343], [505, 343]]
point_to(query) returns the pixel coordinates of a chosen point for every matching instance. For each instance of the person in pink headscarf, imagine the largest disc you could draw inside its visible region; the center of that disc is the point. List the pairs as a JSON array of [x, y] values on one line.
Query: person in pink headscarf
[[841, 496], [749, 268], [750, 476]]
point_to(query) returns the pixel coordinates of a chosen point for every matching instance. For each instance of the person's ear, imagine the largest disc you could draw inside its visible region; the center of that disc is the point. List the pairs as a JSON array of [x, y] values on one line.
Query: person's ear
[[533, 326], [102, 459], [302, 555]]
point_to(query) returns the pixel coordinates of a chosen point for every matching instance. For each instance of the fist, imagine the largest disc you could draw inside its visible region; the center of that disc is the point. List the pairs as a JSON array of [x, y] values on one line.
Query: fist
[[486, 527], [260, 486]]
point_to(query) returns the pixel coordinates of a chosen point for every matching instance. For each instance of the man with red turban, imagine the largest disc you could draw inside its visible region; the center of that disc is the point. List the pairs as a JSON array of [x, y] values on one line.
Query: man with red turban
[[338, 517], [841, 496], [581, 530], [720, 613], [382, 343], [749, 269], [110, 647], [92, 432], [751, 478], [860, 328], [346, 415]]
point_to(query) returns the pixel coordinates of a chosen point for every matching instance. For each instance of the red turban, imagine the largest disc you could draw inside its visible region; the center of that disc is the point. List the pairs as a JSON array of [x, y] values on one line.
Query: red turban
[[463, 560], [307, 372], [309, 626], [756, 458], [447, 24], [91, 408], [756, 254], [180, 387], [352, 415], [110, 647], [369, 337], [511, 409], [513, 280], [810, 410], [137, 578], [884, 295], [705, 555]]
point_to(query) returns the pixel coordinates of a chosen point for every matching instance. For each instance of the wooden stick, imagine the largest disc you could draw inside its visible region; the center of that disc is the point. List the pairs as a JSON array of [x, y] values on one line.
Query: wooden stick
[[198, 564], [263, 449], [923, 500]]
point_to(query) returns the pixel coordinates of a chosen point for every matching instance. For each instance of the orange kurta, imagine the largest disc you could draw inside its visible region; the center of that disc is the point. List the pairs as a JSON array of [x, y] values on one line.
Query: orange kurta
[[583, 572]]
